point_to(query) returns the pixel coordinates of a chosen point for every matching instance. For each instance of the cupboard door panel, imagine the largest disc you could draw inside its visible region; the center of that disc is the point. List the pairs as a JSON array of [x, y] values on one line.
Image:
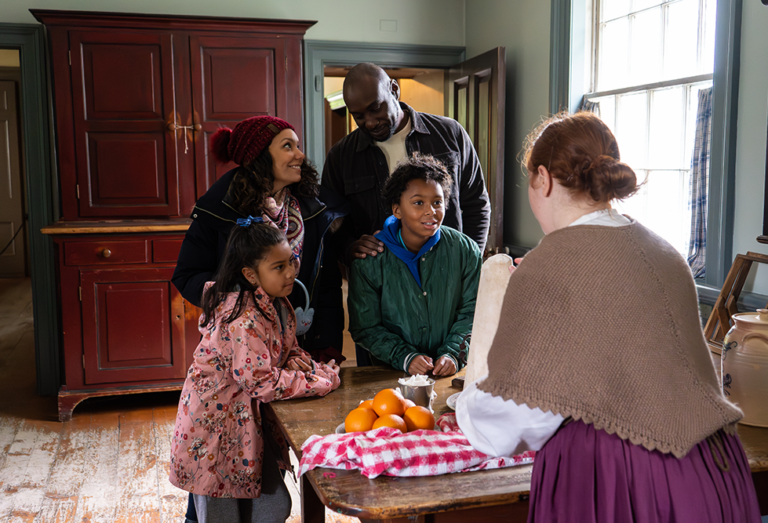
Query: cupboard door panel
[[233, 78], [123, 99], [121, 81], [126, 171], [133, 325], [227, 71]]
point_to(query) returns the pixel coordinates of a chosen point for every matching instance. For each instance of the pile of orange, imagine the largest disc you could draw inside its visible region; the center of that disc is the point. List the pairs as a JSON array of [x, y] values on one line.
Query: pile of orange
[[389, 409]]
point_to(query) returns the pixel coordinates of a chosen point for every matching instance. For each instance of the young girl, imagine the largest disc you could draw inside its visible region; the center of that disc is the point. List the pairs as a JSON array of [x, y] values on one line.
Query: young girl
[[220, 448], [412, 306], [600, 361]]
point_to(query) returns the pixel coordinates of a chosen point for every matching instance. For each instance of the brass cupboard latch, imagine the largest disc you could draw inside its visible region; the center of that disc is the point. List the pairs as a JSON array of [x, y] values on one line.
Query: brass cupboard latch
[[184, 128]]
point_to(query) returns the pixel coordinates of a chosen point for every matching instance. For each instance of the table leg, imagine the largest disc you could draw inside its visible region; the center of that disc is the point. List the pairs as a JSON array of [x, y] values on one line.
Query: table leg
[[312, 509], [761, 489]]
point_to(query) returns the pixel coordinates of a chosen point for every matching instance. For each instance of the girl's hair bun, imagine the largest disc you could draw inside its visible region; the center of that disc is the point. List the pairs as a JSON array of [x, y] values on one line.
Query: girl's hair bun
[[608, 179], [220, 145]]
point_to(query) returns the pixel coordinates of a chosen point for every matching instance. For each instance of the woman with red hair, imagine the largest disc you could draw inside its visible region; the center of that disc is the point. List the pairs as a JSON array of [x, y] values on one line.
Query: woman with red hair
[[599, 361]]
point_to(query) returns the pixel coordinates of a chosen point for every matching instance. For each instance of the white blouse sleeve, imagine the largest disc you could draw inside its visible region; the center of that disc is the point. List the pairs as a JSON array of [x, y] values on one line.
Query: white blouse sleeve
[[502, 428]]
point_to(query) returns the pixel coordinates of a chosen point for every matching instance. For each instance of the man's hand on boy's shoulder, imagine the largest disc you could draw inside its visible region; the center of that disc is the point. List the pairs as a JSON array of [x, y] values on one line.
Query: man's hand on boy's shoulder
[[366, 246]]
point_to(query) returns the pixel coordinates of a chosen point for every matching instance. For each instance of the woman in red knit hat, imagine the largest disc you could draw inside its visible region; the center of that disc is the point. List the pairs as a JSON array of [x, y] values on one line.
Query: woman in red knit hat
[[273, 181]]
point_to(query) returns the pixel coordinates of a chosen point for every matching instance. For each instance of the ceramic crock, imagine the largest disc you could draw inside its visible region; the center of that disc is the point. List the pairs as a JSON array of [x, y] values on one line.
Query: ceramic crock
[[744, 366]]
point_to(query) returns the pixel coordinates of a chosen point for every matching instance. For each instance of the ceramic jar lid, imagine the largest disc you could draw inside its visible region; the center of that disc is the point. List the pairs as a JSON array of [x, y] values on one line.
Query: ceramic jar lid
[[759, 318]]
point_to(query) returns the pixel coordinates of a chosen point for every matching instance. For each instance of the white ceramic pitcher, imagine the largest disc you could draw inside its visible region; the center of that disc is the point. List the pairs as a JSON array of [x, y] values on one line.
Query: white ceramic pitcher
[[744, 366]]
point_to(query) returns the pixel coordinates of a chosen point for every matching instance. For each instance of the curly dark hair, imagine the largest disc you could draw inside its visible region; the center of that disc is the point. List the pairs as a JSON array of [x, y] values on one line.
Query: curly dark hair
[[417, 167], [253, 183]]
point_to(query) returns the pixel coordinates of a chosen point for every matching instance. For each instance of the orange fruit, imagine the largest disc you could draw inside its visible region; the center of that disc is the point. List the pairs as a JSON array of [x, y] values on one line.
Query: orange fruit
[[419, 418], [359, 420], [388, 401], [391, 420], [367, 404], [408, 404]]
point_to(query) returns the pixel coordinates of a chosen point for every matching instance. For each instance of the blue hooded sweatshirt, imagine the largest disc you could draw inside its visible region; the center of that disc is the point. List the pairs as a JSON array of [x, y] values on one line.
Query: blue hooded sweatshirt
[[390, 235]]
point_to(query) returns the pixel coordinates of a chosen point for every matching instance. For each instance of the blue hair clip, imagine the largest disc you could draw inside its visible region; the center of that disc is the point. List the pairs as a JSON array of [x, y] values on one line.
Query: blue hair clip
[[245, 222]]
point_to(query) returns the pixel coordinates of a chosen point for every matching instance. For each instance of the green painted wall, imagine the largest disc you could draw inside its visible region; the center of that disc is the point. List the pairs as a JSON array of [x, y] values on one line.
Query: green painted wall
[[434, 22], [522, 26], [751, 139]]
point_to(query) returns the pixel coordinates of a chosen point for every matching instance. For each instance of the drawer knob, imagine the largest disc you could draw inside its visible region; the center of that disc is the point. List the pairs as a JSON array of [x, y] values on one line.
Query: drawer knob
[[106, 253]]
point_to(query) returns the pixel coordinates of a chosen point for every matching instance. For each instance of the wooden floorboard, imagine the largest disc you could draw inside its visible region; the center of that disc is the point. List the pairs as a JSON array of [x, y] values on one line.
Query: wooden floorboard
[[109, 464]]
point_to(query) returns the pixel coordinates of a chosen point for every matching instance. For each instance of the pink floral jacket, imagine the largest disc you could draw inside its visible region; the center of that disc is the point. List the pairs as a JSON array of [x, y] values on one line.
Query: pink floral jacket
[[217, 444]]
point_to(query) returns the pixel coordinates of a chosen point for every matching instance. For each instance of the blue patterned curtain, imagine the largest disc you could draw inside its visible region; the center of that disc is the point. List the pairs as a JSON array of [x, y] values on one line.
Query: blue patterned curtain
[[697, 194], [589, 106]]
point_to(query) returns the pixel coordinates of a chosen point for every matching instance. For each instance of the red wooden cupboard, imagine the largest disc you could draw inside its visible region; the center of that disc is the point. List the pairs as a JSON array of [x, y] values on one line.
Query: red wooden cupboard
[[135, 101]]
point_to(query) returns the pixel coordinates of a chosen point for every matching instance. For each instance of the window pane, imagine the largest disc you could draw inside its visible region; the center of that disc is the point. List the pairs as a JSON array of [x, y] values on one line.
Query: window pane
[[646, 61], [607, 110], [681, 38], [614, 55], [632, 129], [708, 48], [614, 9], [639, 5], [662, 206], [665, 148]]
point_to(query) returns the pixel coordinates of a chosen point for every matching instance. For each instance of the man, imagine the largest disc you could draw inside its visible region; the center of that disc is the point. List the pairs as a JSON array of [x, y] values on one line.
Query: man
[[388, 131]]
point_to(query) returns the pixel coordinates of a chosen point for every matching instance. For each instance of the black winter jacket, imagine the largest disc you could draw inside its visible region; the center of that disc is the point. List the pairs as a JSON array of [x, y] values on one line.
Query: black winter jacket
[[206, 239]]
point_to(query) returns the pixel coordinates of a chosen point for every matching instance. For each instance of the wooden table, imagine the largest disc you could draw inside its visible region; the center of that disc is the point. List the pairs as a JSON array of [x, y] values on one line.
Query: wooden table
[[490, 495]]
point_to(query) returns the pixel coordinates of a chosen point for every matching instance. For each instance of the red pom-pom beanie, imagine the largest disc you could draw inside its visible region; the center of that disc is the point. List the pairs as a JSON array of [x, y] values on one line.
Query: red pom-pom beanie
[[249, 138]]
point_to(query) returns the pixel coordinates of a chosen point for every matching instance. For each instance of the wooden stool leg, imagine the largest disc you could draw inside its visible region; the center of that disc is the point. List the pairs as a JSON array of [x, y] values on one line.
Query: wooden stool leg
[[312, 509]]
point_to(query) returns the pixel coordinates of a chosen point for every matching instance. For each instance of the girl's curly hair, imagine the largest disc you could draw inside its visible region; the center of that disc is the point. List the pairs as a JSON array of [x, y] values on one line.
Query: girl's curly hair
[[252, 183]]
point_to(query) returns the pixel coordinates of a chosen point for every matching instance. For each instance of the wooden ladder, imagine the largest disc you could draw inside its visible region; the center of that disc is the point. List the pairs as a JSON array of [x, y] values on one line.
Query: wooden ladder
[[721, 318]]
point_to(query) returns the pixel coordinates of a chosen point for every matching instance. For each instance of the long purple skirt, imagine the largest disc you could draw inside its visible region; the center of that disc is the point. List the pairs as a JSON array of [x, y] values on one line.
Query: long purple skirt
[[589, 476]]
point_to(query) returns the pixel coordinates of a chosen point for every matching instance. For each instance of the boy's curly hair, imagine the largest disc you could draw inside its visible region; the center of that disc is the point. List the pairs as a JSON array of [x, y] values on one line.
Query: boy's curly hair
[[417, 167]]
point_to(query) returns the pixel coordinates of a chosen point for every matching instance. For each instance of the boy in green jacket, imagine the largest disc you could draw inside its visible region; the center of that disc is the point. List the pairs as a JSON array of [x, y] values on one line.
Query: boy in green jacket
[[413, 304]]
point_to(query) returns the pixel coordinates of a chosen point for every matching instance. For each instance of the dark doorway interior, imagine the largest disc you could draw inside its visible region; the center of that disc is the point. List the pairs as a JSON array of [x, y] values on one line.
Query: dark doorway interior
[[14, 247]]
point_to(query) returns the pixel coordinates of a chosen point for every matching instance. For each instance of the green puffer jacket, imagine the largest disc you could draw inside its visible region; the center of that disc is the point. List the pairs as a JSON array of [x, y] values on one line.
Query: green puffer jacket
[[396, 320]]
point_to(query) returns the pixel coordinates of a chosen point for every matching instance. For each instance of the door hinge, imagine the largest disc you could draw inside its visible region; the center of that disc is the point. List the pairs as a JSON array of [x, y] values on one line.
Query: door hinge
[[80, 293], [83, 360], [77, 189], [69, 54], [286, 63]]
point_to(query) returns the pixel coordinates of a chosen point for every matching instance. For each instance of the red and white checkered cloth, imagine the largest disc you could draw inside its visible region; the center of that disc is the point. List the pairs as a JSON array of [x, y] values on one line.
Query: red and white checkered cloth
[[389, 452]]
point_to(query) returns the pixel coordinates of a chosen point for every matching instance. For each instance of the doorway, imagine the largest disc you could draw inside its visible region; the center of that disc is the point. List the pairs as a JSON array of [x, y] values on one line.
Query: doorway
[[421, 88], [14, 245], [28, 42]]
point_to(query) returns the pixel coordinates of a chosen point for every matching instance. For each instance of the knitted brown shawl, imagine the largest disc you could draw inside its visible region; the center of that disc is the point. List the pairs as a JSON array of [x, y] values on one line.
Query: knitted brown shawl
[[602, 324]]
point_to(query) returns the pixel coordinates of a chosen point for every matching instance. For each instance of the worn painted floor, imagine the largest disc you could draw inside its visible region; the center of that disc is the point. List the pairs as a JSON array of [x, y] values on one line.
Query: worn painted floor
[[109, 464]]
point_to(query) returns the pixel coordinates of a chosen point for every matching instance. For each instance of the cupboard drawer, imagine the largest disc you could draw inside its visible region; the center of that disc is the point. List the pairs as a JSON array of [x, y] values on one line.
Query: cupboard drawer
[[166, 251], [106, 252]]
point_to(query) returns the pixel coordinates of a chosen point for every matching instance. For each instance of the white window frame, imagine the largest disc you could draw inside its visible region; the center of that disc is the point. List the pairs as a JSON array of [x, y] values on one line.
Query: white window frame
[[567, 34]]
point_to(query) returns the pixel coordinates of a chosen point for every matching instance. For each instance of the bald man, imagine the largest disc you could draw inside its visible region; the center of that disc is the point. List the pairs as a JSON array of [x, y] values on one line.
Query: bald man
[[388, 131]]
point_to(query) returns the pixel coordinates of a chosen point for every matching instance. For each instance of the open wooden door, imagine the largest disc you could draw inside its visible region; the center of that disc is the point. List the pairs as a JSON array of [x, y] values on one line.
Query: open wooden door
[[476, 99], [12, 261]]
